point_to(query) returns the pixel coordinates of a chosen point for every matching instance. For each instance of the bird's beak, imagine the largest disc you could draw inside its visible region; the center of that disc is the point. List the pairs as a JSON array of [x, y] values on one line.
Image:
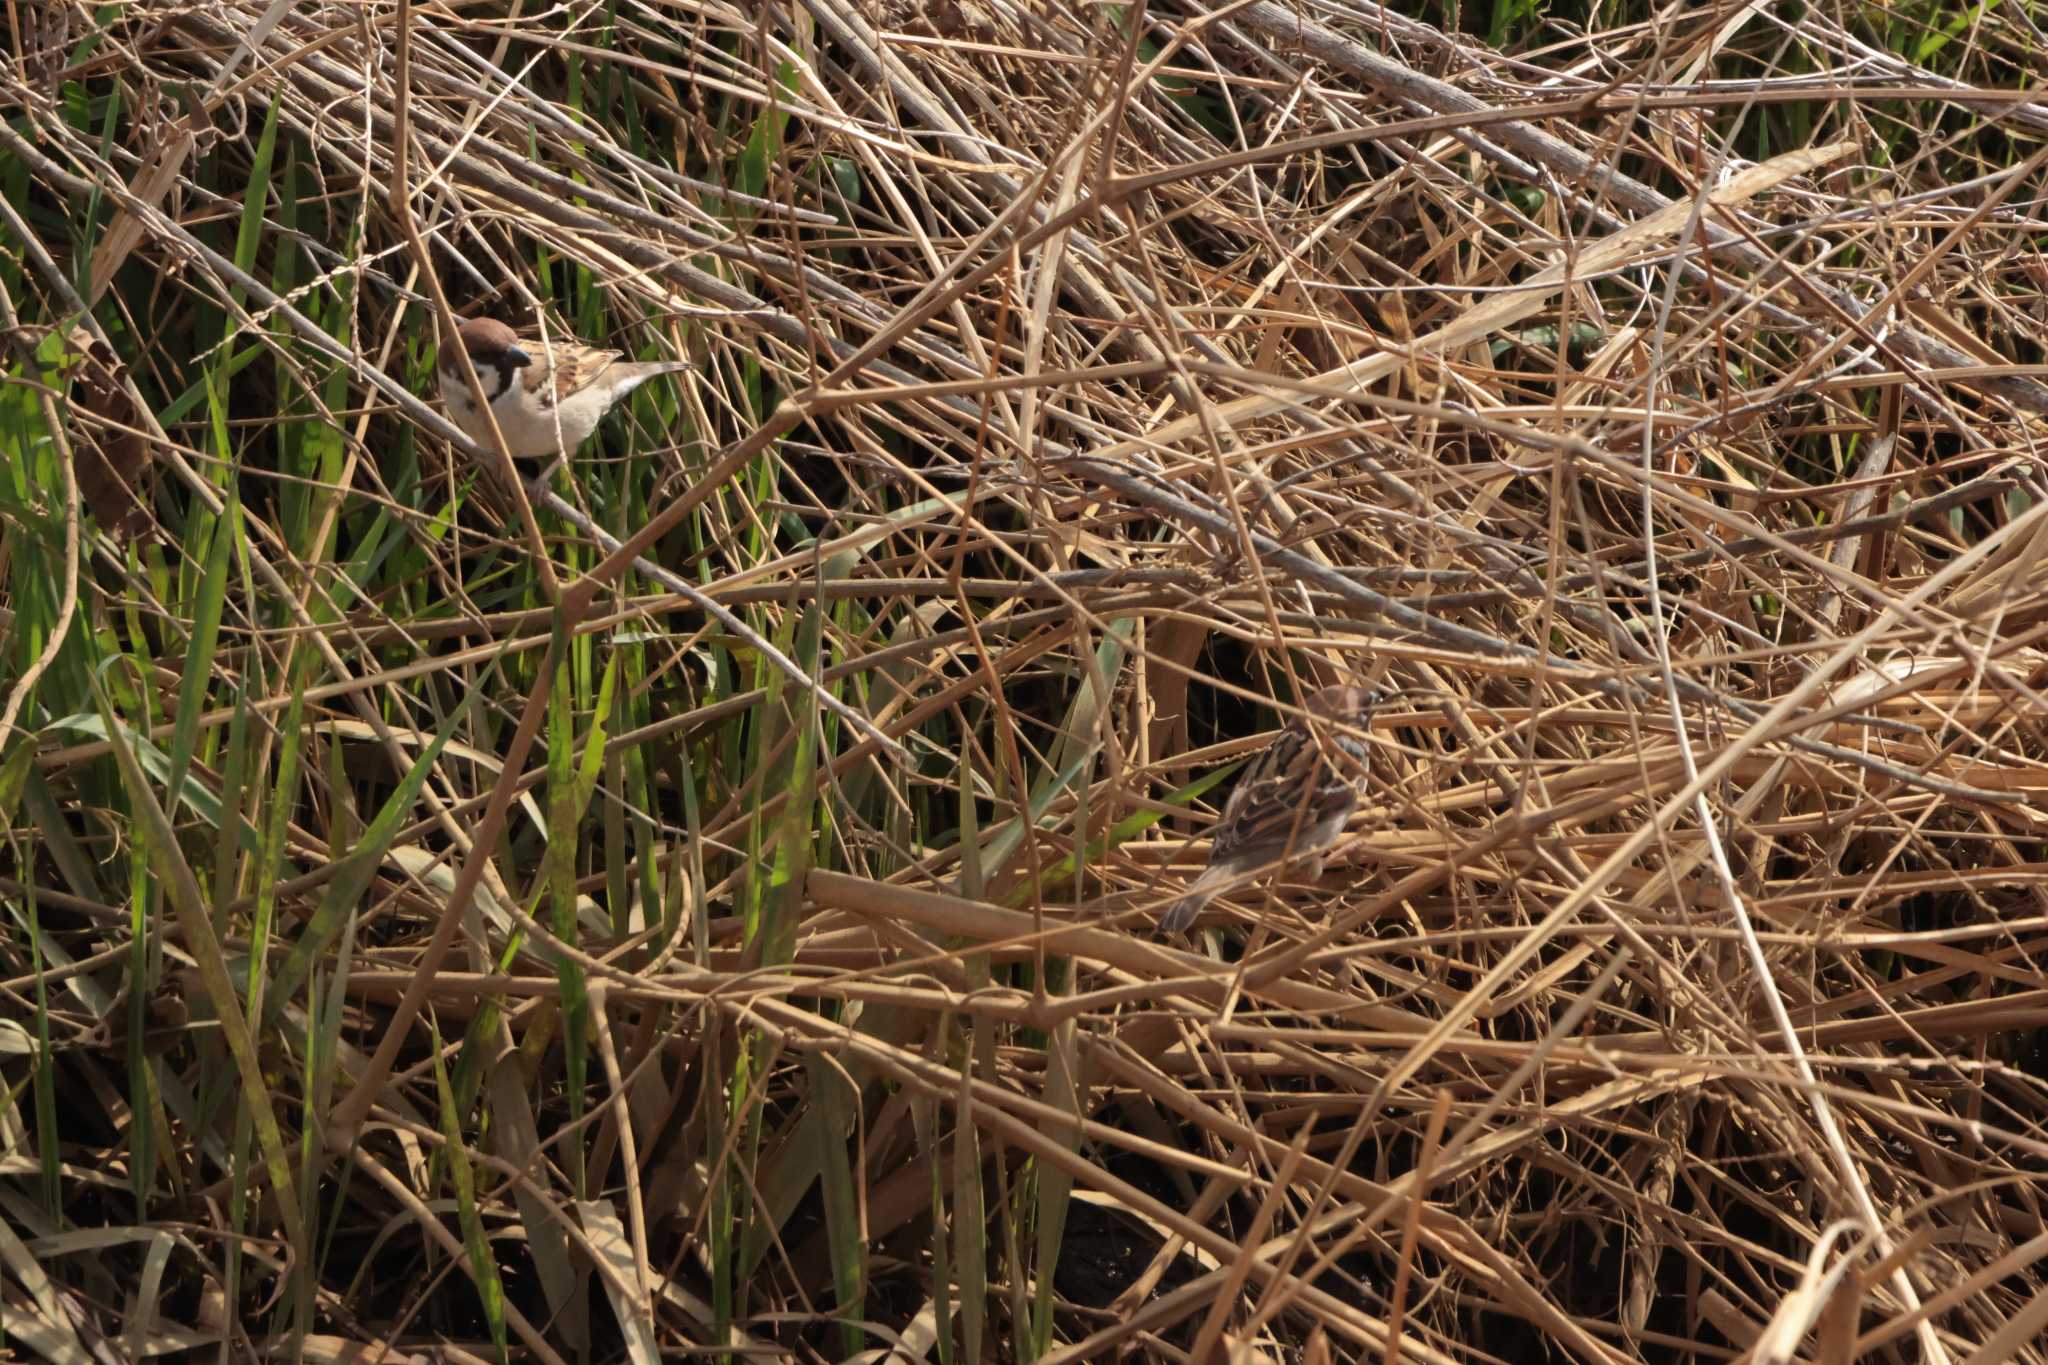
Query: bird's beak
[[517, 356]]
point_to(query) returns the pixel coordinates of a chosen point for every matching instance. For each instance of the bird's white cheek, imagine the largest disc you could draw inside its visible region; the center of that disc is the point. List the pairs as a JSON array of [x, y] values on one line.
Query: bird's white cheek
[[464, 412]]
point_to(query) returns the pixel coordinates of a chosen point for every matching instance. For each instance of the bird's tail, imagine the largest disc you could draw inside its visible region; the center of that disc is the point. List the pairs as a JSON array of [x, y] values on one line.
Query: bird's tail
[[1183, 911], [653, 369]]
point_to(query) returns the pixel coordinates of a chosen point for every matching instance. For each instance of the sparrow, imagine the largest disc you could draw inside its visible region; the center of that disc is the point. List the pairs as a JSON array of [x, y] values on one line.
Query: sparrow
[[547, 398], [1292, 802]]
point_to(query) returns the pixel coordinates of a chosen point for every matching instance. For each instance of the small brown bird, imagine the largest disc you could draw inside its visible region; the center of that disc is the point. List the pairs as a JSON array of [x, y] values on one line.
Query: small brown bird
[[547, 399], [1292, 802]]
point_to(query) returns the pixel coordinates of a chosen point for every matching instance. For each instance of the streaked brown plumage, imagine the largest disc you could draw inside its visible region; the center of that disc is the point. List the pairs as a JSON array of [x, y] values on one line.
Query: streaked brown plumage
[[1291, 803]]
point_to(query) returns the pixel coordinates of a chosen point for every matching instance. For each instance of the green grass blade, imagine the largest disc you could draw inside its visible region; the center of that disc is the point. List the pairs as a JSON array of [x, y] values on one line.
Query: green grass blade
[[564, 816], [483, 1265], [836, 1102], [199, 649], [204, 946], [345, 889]]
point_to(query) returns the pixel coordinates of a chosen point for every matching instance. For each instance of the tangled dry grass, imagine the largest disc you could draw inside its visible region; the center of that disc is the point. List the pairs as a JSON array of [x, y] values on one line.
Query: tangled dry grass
[[437, 923]]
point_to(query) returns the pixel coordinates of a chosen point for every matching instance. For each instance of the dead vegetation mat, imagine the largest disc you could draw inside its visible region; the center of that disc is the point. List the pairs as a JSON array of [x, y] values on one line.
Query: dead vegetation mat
[[1650, 413]]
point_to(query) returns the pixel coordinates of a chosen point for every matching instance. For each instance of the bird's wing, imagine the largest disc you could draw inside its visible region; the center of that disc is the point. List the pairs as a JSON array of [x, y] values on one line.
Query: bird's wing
[[571, 368], [1290, 789]]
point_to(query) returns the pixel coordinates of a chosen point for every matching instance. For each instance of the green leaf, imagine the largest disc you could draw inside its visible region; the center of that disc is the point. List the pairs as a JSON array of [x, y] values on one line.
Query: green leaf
[[199, 650], [203, 945], [564, 817], [345, 888], [483, 1266], [1124, 830], [154, 761], [20, 757], [836, 1103], [764, 143]]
